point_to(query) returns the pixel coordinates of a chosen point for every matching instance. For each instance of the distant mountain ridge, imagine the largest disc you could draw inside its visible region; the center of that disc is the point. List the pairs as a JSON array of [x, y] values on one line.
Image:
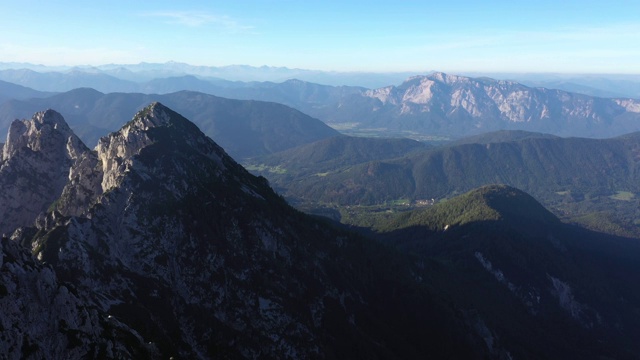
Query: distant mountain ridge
[[437, 105], [144, 72], [10, 90], [244, 128], [445, 105], [600, 85]]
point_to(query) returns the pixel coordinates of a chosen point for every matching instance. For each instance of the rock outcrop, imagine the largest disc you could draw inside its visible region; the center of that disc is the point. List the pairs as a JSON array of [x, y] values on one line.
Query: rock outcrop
[[35, 166]]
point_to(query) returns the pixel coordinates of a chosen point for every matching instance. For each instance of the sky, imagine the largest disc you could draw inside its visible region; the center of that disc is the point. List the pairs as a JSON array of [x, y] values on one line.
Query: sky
[[364, 36]]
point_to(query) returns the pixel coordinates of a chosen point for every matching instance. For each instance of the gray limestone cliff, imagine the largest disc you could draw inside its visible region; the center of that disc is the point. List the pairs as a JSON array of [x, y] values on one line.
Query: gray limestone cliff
[[35, 166], [451, 105]]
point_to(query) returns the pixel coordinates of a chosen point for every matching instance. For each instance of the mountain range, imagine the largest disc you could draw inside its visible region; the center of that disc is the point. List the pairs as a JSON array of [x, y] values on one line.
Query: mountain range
[[436, 106], [244, 128], [10, 91], [456, 106], [132, 75], [599, 85]]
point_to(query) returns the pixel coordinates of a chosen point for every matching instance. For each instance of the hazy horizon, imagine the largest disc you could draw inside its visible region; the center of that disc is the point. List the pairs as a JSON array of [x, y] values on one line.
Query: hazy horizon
[[585, 37], [65, 67]]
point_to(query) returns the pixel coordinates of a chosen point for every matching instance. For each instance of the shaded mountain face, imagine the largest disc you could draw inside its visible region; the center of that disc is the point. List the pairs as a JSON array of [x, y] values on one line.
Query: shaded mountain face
[[34, 167], [243, 128], [540, 288], [42, 317], [204, 260]]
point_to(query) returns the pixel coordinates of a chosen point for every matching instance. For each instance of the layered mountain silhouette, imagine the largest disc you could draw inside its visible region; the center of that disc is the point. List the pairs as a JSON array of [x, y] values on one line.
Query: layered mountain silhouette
[[53, 81], [12, 91], [243, 128], [434, 106]]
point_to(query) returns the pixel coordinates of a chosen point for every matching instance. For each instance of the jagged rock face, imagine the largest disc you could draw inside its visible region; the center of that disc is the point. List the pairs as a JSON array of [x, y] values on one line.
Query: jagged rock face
[[35, 167], [83, 187], [117, 151], [206, 261], [42, 318], [456, 105]]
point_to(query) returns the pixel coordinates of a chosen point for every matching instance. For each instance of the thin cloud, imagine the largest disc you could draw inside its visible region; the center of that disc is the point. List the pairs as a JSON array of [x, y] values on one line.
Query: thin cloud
[[196, 19]]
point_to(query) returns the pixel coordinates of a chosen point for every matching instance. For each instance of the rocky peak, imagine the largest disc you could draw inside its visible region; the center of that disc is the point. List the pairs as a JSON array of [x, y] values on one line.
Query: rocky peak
[[154, 124], [35, 166], [154, 115], [447, 78], [45, 132]]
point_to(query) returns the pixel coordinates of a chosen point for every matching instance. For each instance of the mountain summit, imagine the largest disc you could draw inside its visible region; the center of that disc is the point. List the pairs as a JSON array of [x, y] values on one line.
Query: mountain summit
[[34, 167], [154, 124]]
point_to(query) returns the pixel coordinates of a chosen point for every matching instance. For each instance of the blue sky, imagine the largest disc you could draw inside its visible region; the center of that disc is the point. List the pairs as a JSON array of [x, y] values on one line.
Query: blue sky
[[380, 36]]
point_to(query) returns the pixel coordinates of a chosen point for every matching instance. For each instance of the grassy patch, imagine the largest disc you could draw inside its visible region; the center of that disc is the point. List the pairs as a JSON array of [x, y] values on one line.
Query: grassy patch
[[262, 168], [343, 126], [623, 195], [601, 221], [400, 202]]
